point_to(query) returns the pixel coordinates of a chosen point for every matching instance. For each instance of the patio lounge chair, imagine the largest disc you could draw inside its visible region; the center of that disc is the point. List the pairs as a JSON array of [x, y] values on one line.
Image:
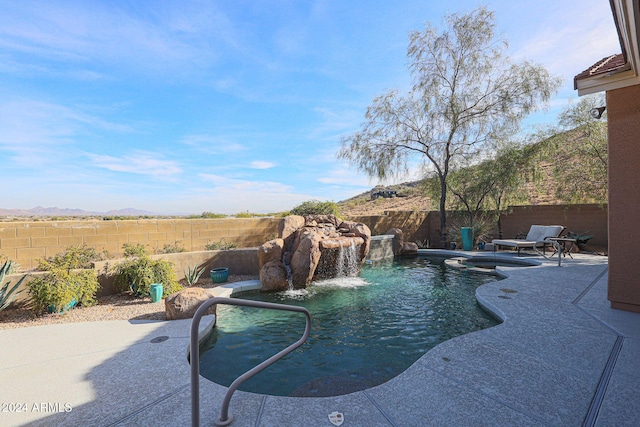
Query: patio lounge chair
[[538, 237]]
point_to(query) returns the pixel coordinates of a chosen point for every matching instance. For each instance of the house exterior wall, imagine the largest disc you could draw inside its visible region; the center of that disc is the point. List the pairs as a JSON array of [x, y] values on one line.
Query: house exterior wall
[[623, 110]]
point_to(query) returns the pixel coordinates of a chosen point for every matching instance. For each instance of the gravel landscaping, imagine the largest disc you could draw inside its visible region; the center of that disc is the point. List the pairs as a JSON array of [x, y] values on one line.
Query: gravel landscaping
[[123, 306]]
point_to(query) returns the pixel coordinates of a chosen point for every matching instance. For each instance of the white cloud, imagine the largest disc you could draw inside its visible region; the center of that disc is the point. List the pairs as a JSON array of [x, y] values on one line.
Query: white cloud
[[246, 185], [213, 144], [230, 195], [259, 164], [38, 132], [138, 162], [335, 122], [568, 46], [162, 40], [345, 176]]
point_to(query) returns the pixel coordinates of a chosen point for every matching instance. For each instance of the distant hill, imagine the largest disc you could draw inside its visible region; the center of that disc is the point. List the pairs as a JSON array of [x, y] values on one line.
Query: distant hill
[[410, 196], [553, 185], [40, 211]]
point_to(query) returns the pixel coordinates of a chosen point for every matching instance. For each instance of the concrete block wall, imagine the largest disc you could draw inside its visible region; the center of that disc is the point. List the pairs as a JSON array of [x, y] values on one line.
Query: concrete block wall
[[26, 242], [238, 261], [414, 224], [589, 219]]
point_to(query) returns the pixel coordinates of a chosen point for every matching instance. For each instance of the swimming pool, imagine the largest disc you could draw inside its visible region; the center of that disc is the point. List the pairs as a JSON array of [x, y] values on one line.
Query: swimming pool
[[365, 330]]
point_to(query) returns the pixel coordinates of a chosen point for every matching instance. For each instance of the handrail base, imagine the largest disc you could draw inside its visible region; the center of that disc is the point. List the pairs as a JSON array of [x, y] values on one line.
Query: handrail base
[[221, 423]]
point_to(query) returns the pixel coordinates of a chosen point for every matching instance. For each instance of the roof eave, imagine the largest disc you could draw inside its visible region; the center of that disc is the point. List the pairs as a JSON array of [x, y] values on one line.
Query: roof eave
[[622, 77], [626, 15]]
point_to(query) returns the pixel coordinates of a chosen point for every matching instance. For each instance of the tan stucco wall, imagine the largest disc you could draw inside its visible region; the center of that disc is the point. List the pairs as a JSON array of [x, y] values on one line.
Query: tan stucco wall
[[421, 226], [623, 109], [414, 224], [238, 261], [25, 242]]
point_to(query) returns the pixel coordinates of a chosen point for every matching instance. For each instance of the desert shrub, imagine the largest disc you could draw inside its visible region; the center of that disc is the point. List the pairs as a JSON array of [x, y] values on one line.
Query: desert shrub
[[245, 215], [70, 276], [220, 245], [73, 257], [482, 226], [60, 286], [138, 272], [130, 250], [316, 207], [211, 215], [171, 248]]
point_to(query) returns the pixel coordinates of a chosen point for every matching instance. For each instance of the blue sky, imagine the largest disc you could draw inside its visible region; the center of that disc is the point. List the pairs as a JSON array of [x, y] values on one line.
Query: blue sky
[[230, 106]]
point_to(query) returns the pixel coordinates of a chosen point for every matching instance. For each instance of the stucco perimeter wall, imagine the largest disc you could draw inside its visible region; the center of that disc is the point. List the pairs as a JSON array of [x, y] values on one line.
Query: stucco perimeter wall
[[424, 227], [623, 109], [238, 261], [414, 224], [582, 219], [25, 242]]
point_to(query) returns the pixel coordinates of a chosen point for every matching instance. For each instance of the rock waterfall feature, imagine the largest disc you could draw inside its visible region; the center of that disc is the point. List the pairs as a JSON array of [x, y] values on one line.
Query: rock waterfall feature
[[312, 247]]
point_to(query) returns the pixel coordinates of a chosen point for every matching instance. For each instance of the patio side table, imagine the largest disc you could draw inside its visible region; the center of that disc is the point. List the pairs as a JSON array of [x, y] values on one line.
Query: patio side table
[[566, 244]]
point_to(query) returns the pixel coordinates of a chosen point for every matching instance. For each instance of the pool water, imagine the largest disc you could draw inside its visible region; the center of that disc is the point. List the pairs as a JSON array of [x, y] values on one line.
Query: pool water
[[365, 330]]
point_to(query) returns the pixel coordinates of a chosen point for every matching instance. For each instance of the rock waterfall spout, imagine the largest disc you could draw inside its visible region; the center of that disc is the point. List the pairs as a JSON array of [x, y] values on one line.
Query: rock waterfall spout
[[313, 247]]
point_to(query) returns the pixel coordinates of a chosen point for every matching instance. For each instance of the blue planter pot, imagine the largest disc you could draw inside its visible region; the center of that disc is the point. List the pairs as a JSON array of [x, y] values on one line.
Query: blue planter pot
[[156, 292], [467, 238], [63, 309], [134, 289], [219, 275]]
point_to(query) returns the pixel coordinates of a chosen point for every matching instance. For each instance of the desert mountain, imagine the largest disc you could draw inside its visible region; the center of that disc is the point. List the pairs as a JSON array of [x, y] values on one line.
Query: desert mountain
[[54, 211]]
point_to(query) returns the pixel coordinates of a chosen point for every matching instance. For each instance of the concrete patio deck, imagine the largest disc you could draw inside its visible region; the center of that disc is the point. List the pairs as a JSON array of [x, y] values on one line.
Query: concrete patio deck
[[562, 357]]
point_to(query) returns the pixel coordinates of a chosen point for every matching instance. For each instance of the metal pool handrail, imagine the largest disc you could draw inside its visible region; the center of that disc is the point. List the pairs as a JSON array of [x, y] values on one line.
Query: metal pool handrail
[[194, 354]]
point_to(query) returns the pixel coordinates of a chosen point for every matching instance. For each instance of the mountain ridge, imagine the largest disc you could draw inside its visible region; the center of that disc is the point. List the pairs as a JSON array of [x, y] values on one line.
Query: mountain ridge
[[41, 211]]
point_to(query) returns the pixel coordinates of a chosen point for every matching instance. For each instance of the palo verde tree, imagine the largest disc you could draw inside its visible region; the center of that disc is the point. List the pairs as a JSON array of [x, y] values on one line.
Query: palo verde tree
[[466, 94], [494, 183]]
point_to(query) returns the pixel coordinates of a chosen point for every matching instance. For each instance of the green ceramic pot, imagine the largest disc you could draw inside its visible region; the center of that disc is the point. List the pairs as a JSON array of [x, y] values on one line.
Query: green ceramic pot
[[219, 275]]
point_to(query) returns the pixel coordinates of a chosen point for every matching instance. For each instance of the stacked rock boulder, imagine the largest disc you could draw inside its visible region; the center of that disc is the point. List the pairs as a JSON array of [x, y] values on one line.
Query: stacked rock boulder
[[183, 304], [302, 242], [400, 247]]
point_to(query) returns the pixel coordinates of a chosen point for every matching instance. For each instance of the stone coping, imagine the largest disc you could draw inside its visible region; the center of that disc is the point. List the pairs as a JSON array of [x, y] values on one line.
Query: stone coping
[[236, 287]]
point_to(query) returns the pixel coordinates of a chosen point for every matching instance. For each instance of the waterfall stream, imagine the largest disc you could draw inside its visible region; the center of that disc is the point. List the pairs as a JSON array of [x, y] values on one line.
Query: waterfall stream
[[287, 268], [347, 261]]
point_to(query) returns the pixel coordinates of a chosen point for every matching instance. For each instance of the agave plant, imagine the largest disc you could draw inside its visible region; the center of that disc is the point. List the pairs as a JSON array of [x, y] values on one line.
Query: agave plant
[[192, 274], [8, 295]]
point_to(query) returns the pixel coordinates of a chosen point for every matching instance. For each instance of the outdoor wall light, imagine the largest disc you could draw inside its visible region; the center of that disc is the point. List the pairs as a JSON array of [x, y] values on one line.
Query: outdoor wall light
[[596, 113]]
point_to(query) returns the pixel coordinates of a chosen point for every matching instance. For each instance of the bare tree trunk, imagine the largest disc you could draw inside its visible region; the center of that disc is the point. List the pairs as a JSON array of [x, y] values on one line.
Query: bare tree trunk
[[443, 214], [498, 211]]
